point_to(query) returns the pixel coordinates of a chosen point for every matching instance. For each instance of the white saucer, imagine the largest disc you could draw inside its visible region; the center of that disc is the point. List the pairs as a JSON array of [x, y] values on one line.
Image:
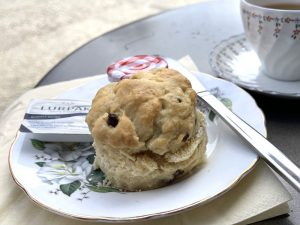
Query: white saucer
[[233, 59], [59, 176]]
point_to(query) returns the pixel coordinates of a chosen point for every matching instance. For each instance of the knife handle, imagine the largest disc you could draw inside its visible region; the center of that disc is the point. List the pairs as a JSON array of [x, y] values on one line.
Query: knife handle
[[267, 151]]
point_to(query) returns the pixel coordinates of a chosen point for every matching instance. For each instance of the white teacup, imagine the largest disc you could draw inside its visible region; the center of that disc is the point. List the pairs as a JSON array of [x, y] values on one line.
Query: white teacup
[[274, 35]]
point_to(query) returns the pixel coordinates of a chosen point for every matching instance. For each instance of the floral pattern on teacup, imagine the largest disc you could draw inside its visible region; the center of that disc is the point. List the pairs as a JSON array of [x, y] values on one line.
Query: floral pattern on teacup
[[278, 22]]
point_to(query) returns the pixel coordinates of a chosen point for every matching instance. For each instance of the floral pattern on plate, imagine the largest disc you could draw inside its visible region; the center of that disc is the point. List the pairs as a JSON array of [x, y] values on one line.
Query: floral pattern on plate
[[47, 190], [68, 168], [219, 94]]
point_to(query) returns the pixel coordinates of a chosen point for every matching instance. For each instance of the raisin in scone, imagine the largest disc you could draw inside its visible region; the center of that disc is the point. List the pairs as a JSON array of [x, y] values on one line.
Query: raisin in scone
[[147, 130]]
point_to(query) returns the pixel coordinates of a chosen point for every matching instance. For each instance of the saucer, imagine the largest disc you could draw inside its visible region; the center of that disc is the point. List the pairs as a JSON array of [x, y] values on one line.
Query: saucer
[[59, 176], [233, 59]]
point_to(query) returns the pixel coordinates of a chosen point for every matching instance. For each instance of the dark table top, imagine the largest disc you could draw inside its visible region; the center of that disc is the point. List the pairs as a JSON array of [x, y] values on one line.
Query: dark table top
[[193, 30]]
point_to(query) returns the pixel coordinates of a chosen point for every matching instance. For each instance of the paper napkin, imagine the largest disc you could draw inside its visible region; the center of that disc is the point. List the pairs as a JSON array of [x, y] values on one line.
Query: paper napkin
[[258, 196]]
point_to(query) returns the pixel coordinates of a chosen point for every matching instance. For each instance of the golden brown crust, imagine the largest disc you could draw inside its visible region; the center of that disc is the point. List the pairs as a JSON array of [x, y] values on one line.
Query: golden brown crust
[[151, 114], [155, 110]]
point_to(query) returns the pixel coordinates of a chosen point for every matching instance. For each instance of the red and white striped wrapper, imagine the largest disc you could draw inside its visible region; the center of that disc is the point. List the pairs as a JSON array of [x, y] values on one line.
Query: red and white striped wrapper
[[128, 66]]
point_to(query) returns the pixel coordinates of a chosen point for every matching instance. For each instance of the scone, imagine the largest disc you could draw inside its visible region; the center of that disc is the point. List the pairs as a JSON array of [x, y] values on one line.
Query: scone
[[147, 130]]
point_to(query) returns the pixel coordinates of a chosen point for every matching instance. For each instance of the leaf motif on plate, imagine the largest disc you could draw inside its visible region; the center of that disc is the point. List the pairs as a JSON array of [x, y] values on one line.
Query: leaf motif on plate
[[95, 177], [70, 188], [211, 115], [68, 166], [40, 164], [39, 145], [226, 101], [90, 158], [217, 92], [102, 189], [98, 183]]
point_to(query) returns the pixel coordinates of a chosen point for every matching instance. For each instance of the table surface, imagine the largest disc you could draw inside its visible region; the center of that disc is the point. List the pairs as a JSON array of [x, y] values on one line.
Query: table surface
[[192, 30]]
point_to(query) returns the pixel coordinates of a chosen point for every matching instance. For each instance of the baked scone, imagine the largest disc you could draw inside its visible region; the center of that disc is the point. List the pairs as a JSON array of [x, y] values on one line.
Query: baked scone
[[147, 130]]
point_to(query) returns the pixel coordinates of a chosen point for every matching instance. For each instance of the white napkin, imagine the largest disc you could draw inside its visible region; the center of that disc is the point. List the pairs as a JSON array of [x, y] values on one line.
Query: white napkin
[[258, 196]]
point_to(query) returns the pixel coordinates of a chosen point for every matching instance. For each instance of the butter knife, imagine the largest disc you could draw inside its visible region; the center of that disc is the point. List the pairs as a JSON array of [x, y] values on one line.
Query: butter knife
[[266, 150]]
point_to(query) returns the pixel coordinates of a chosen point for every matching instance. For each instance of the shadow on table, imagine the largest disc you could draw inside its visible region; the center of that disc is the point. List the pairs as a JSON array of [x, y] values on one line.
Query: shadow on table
[[277, 107], [282, 121], [283, 130]]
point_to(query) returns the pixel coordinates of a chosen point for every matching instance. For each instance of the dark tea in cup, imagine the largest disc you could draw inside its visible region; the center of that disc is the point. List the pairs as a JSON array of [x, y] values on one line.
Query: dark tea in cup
[[283, 6]]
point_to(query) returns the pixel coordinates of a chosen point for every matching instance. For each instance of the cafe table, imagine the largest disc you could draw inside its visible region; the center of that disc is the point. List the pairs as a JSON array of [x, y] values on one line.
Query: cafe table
[[193, 30]]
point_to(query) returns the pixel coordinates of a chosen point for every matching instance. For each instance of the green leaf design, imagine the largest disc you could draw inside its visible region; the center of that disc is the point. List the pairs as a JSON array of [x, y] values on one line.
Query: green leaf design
[[39, 145], [70, 188], [91, 158], [227, 102], [102, 189], [211, 115], [40, 164], [95, 177]]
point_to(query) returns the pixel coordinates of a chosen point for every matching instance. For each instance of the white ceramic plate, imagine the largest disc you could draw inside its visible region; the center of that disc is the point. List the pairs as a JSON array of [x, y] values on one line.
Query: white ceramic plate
[[61, 180], [234, 60]]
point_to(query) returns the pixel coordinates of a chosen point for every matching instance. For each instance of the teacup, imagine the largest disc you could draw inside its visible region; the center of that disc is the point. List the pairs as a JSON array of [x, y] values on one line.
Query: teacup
[[273, 29]]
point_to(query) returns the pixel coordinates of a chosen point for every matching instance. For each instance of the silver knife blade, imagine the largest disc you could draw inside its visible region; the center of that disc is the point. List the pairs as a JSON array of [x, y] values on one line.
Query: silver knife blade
[[266, 150]]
